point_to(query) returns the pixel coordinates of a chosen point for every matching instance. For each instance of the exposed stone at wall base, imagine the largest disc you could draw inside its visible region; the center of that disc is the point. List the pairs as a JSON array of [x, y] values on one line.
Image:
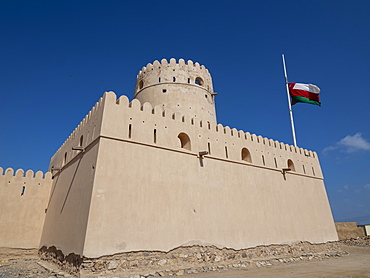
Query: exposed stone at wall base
[[70, 263], [359, 241], [186, 260]]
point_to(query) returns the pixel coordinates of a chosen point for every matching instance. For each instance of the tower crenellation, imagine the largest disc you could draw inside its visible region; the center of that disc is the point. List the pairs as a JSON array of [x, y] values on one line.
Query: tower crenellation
[[184, 87]]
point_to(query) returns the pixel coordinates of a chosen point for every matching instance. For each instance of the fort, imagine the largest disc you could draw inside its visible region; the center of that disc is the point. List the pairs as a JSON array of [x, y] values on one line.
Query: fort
[[158, 173]]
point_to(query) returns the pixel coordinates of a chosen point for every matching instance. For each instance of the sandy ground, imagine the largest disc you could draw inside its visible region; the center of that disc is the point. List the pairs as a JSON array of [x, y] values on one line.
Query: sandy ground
[[15, 263]]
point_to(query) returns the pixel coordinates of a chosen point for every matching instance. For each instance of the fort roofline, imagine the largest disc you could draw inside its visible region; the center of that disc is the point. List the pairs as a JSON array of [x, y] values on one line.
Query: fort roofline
[[229, 135], [157, 65]]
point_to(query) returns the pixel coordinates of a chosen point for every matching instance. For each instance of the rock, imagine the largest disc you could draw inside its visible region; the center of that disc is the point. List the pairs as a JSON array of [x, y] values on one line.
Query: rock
[[134, 263], [161, 273], [180, 272], [162, 262], [99, 265], [113, 265], [217, 258]]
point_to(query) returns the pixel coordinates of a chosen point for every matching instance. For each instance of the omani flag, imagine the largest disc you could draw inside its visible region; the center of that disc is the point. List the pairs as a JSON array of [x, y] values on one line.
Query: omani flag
[[306, 93]]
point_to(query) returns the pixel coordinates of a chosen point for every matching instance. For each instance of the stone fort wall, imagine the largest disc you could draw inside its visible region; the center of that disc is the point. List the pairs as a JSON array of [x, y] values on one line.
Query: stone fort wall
[[142, 184], [23, 199]]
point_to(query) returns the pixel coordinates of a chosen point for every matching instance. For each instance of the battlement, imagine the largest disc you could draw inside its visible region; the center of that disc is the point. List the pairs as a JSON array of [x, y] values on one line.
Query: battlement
[[188, 73], [82, 135], [183, 87], [171, 69], [158, 112], [9, 172], [159, 127]]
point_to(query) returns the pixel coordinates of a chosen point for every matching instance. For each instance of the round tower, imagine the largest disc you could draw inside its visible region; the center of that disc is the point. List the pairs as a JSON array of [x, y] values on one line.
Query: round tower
[[182, 87]]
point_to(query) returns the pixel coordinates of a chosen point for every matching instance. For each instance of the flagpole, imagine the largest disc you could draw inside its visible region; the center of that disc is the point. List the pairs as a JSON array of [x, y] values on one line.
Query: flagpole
[[289, 103]]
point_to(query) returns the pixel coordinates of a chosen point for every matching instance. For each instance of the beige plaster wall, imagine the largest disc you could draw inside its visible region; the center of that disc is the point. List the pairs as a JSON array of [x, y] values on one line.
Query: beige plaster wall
[[22, 215], [367, 230], [148, 193], [73, 171], [147, 198], [68, 207], [157, 196]]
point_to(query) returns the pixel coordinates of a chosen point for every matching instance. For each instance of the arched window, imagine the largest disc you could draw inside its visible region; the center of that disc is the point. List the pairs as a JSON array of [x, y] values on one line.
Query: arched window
[[184, 141], [141, 84], [81, 141], [246, 155], [291, 165], [199, 81]]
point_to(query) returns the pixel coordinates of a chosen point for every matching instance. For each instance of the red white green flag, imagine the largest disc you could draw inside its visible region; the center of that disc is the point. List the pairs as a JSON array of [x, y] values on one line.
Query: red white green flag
[[306, 93]]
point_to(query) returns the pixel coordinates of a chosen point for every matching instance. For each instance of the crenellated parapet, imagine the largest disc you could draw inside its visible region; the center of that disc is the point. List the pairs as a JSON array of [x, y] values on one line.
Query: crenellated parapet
[[160, 128], [165, 72], [18, 180], [81, 137], [185, 87], [9, 173]]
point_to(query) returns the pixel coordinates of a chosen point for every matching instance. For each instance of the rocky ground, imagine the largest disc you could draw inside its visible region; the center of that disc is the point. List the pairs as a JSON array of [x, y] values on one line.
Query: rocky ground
[[352, 261], [26, 263]]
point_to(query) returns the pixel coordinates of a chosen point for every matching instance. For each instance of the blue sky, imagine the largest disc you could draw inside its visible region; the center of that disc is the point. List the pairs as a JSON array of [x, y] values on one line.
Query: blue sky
[[103, 44]]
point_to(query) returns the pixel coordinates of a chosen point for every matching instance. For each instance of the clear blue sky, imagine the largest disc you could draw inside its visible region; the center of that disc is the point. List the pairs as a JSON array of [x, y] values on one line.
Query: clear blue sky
[[103, 44]]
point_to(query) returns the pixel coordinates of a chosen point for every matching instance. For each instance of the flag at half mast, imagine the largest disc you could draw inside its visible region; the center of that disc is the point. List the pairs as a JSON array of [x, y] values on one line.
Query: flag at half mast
[[306, 93]]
